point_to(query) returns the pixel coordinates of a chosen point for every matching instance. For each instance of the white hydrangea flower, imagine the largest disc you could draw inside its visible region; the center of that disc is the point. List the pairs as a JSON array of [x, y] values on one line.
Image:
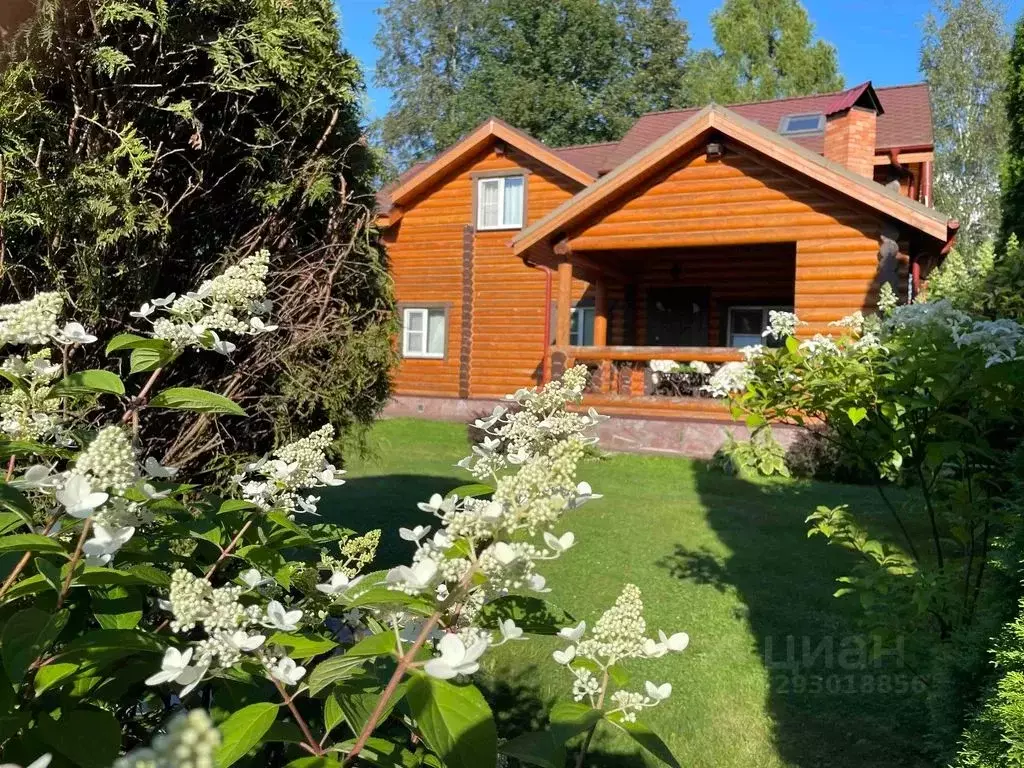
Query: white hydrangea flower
[[190, 740], [78, 497], [275, 483], [287, 671], [456, 658], [109, 460], [75, 333], [280, 618], [105, 543], [781, 324], [730, 377], [28, 412], [33, 321]]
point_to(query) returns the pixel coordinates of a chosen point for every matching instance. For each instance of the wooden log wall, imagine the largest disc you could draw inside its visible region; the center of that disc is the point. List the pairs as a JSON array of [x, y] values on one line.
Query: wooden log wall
[[426, 247], [743, 199]]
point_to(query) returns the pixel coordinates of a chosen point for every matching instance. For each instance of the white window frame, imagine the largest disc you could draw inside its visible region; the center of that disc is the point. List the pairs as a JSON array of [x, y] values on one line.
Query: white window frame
[[423, 353], [581, 312], [784, 123], [501, 180], [765, 309]]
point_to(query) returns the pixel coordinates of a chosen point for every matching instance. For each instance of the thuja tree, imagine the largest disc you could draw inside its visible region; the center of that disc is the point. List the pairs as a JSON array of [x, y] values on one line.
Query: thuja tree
[[143, 143], [148, 621]]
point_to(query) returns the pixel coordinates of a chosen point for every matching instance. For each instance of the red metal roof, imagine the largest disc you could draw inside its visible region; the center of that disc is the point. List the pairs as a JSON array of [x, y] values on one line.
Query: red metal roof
[[849, 98], [586, 157], [905, 122]]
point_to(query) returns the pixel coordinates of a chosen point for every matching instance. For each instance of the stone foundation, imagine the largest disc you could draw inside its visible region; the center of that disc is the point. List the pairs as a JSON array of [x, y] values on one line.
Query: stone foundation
[[695, 438]]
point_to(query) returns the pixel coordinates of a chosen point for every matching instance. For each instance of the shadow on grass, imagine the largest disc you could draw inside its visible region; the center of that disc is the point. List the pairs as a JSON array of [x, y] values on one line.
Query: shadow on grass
[[386, 502], [520, 706], [833, 704]]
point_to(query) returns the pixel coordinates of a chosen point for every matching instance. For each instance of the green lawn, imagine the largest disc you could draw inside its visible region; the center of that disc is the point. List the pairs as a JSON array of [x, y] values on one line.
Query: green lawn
[[724, 559]]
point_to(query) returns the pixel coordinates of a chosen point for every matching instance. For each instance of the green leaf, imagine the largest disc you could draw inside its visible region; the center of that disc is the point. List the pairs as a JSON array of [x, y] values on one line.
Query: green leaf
[[133, 341], [26, 636], [455, 721], [856, 415], [646, 738], [533, 615], [315, 762], [543, 748], [302, 645], [116, 607], [11, 521], [332, 670], [382, 596], [381, 644], [243, 731], [264, 560], [573, 717], [333, 713], [29, 542], [385, 754], [90, 738], [14, 500], [50, 572], [193, 399], [358, 696], [235, 505], [88, 383], [149, 358], [472, 490]]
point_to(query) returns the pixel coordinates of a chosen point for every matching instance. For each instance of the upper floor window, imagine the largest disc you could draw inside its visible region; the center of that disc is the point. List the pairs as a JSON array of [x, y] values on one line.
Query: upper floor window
[[424, 331], [797, 124], [500, 202]]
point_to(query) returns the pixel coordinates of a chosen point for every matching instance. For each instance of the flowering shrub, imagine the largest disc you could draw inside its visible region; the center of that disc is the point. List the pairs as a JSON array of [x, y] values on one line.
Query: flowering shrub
[[131, 595], [925, 395]]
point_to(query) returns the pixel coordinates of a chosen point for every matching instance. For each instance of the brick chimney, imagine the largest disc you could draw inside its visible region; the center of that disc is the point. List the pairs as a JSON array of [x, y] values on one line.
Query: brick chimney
[[850, 129]]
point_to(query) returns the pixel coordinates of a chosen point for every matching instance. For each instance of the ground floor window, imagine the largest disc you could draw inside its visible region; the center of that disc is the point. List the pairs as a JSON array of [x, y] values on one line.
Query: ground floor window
[[424, 331], [746, 324], [581, 327]]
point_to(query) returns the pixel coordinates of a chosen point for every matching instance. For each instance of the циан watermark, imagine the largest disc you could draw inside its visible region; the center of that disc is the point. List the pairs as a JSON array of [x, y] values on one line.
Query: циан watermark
[[839, 665]]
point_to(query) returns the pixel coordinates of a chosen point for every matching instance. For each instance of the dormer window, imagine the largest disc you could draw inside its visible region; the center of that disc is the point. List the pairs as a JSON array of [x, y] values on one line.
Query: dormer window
[[500, 202], [796, 125]]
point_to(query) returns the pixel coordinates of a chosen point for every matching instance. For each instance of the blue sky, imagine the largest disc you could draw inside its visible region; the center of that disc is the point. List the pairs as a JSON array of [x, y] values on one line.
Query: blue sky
[[878, 40]]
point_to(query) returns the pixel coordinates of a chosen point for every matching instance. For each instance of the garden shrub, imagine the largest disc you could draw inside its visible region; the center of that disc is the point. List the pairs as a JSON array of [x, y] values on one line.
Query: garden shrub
[[816, 454], [929, 397], [145, 144], [149, 621]]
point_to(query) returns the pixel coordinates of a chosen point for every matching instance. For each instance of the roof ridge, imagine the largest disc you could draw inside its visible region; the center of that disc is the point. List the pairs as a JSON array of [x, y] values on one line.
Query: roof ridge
[[823, 95], [590, 144]]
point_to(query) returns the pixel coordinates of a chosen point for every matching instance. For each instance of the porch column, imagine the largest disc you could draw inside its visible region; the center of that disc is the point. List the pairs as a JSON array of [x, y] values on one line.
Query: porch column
[[563, 304], [604, 372], [601, 312]]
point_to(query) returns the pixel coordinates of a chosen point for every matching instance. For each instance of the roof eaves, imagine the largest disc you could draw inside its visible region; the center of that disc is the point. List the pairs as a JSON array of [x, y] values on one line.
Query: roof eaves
[[720, 118]]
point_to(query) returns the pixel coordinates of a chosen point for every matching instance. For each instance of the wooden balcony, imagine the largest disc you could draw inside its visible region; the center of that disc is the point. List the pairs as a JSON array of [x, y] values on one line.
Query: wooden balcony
[[623, 383]]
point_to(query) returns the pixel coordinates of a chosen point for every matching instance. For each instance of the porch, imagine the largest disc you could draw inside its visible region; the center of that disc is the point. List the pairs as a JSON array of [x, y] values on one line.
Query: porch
[[654, 325]]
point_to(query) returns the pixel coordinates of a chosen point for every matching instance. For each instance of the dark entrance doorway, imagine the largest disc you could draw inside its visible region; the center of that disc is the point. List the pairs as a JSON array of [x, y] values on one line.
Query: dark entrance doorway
[[677, 317]]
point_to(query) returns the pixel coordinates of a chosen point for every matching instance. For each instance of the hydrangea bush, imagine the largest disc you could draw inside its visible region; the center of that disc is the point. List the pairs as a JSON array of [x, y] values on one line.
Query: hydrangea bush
[[149, 621], [922, 395]]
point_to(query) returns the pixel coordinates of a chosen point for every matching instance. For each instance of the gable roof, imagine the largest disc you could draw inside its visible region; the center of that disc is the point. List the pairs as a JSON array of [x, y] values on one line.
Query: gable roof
[[421, 176], [758, 138], [904, 119]]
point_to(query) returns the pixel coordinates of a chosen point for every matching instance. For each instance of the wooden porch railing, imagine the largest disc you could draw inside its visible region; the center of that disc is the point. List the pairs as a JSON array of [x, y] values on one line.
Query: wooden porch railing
[[625, 371]]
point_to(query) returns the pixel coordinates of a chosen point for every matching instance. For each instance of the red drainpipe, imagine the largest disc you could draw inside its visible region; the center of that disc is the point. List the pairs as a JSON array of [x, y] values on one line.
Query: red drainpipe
[[545, 361]]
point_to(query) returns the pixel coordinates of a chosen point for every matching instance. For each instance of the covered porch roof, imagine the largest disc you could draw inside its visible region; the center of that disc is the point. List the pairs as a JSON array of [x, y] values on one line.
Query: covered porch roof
[[552, 236]]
